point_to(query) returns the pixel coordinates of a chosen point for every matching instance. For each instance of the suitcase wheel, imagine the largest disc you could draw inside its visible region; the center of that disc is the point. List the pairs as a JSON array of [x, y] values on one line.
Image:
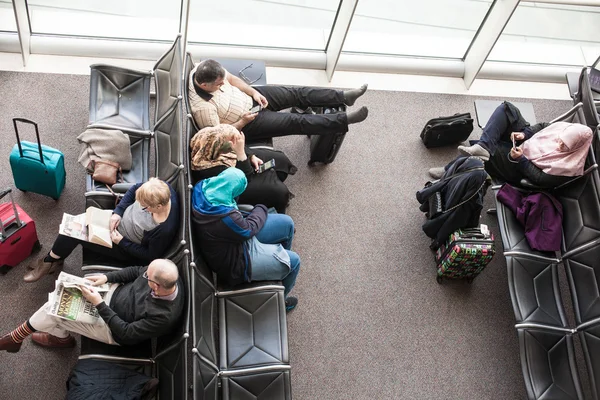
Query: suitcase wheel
[[439, 279], [36, 246]]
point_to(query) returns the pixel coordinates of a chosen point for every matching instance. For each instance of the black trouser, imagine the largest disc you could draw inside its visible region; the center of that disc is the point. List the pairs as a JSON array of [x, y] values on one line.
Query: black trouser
[[270, 123], [64, 246]]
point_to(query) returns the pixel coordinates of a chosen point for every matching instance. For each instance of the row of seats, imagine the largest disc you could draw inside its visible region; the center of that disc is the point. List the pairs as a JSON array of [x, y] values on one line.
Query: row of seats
[[239, 334], [120, 99], [545, 336], [248, 358]]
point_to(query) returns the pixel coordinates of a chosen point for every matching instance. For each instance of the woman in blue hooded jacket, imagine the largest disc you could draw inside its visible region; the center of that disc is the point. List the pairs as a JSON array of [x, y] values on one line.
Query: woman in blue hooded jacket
[[243, 248]]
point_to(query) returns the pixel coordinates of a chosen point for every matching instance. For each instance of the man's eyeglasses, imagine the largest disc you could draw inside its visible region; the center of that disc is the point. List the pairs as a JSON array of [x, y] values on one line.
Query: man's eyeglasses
[[145, 275], [245, 78]]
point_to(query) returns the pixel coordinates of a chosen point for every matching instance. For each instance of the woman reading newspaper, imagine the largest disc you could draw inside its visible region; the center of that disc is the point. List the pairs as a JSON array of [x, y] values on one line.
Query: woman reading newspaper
[[141, 229]]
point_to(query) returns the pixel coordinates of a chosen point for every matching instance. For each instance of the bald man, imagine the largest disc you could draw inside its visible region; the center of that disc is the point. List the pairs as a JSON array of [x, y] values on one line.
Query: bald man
[[143, 302]]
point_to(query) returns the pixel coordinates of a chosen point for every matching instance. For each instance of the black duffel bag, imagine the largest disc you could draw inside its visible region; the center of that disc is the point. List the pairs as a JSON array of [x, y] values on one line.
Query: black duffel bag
[[443, 131]]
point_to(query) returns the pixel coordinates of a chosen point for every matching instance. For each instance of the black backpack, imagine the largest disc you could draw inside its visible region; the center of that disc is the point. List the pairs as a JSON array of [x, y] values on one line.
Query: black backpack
[[443, 131]]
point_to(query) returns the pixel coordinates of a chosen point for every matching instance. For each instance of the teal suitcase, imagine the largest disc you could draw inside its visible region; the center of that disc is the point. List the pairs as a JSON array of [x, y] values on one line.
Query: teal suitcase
[[37, 168]]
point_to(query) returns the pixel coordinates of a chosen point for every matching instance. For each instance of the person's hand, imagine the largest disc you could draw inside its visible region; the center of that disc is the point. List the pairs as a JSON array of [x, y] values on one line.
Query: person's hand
[[116, 237], [237, 145], [114, 222], [516, 153], [517, 136], [255, 161], [97, 280], [91, 295], [260, 99], [248, 117]]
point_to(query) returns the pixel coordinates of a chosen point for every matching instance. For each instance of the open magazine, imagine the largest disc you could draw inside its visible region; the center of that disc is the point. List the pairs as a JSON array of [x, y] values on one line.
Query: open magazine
[[93, 226], [67, 301]]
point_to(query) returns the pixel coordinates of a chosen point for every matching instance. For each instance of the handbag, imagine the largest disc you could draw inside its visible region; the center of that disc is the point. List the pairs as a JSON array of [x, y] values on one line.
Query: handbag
[[444, 131], [104, 171]]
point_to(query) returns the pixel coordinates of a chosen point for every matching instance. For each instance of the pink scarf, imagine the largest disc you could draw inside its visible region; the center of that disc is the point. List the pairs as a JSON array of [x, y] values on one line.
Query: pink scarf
[[544, 150]]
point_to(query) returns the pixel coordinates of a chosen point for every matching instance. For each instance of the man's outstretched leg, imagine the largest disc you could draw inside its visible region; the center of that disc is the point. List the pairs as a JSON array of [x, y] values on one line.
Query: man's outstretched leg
[[46, 331], [269, 124], [12, 341], [497, 128], [282, 97]]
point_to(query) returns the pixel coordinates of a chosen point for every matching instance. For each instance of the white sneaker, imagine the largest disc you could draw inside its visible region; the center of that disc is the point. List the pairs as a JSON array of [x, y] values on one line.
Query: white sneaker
[[476, 151]]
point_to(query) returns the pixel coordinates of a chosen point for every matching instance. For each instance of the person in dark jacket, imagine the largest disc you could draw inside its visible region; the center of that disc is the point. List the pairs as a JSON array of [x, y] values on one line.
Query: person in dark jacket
[[142, 227], [462, 187], [547, 155], [243, 248], [142, 303], [214, 149]]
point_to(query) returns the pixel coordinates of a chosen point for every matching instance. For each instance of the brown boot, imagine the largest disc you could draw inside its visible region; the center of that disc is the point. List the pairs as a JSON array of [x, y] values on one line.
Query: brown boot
[[47, 340], [41, 268], [7, 343]]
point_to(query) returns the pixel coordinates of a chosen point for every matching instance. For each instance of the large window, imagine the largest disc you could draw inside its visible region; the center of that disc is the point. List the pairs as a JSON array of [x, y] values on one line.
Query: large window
[[550, 34], [130, 19], [7, 17], [425, 28], [294, 24]]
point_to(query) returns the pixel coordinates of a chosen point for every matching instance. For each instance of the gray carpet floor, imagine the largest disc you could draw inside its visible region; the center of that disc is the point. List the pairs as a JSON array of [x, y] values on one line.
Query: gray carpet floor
[[372, 322]]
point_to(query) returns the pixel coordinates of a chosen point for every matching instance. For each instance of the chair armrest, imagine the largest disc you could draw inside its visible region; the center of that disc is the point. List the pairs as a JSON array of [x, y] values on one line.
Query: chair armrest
[[526, 184], [122, 187]]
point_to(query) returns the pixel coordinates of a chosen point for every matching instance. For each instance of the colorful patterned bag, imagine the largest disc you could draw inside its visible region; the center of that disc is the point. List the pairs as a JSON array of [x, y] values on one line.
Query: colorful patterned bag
[[465, 254]]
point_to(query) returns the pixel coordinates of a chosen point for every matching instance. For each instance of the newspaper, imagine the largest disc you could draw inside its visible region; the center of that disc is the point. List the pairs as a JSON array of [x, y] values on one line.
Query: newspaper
[[74, 226], [67, 301]]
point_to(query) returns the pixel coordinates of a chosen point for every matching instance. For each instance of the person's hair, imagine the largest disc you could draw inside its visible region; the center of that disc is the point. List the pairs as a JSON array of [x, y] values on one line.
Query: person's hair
[[208, 71], [153, 193], [165, 273]]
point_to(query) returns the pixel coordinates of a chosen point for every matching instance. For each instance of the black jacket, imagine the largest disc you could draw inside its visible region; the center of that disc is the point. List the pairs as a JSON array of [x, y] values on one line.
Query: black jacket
[[134, 315], [266, 188], [101, 380], [468, 187], [222, 233]]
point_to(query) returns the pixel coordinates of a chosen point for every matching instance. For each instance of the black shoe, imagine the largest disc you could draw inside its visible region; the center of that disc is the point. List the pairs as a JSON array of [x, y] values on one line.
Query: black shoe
[[290, 303]]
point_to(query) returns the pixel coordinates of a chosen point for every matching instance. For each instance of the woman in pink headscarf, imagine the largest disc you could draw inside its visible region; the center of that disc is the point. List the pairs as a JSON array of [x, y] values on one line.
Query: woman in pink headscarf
[[558, 150], [547, 155]]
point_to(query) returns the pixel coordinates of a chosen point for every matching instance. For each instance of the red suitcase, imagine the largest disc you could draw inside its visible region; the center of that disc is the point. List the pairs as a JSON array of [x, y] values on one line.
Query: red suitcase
[[18, 237]]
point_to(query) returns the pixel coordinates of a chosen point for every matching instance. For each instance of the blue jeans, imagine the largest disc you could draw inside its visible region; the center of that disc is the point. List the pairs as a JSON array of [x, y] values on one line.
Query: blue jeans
[[268, 258], [279, 228], [498, 128]]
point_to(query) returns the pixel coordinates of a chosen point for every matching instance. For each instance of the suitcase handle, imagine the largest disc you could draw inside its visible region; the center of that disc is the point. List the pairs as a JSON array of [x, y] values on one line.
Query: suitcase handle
[[5, 192], [19, 223], [37, 134]]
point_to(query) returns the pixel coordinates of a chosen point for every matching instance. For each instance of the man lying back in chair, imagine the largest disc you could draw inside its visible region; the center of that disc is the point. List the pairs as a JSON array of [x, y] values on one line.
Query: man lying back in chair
[[218, 97], [142, 303]]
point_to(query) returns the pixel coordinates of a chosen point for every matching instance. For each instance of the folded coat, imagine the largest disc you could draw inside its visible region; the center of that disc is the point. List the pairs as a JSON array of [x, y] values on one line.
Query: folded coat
[[106, 144], [540, 213]]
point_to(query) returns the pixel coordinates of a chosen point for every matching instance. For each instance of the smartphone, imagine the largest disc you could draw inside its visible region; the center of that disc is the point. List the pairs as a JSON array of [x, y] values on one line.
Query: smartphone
[[256, 109], [513, 140], [265, 166]]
